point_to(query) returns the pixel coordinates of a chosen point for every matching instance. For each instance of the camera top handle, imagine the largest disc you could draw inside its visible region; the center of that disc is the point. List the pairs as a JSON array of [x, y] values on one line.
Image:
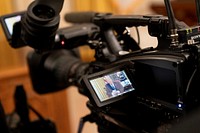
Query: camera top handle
[[157, 24]]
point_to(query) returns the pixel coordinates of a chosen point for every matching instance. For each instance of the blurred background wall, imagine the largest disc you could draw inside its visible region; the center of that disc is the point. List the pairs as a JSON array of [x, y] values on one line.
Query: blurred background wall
[[15, 58]]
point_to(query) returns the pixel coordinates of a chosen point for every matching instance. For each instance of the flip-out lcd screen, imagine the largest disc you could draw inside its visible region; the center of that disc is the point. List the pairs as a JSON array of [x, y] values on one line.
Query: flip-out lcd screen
[[110, 85], [8, 21]]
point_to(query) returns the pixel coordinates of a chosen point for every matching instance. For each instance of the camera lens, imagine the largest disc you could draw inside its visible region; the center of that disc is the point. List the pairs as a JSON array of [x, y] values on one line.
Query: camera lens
[[51, 71]]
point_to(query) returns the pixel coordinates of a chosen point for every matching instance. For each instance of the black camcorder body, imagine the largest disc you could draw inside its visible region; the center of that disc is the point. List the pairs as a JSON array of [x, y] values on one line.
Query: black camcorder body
[[153, 70], [162, 88]]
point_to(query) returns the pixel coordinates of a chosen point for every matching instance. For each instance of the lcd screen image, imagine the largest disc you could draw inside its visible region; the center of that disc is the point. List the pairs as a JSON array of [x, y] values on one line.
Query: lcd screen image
[[111, 85], [10, 22]]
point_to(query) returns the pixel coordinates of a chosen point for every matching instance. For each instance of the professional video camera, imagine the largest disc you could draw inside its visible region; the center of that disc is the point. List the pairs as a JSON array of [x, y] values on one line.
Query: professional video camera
[[154, 87]]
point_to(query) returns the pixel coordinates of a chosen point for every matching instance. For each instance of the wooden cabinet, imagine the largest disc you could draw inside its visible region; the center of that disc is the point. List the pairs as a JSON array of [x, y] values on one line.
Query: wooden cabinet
[[51, 106]]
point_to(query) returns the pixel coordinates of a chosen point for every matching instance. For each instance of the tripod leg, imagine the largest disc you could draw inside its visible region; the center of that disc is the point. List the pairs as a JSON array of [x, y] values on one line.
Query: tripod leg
[[82, 122], [3, 125]]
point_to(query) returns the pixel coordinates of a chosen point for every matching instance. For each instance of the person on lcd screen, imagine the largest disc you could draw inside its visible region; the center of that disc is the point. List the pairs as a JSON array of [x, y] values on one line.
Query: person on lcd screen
[[124, 81], [113, 88]]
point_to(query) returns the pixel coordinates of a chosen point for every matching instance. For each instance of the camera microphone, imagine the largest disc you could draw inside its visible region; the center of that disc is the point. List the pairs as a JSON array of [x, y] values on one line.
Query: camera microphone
[[102, 19], [80, 17]]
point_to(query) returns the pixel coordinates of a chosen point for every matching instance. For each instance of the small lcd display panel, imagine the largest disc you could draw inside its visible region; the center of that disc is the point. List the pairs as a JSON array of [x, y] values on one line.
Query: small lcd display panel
[[110, 85], [8, 22], [11, 21]]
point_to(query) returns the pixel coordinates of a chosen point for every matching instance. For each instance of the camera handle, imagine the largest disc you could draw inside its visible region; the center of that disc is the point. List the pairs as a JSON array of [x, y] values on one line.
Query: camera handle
[[113, 43]]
